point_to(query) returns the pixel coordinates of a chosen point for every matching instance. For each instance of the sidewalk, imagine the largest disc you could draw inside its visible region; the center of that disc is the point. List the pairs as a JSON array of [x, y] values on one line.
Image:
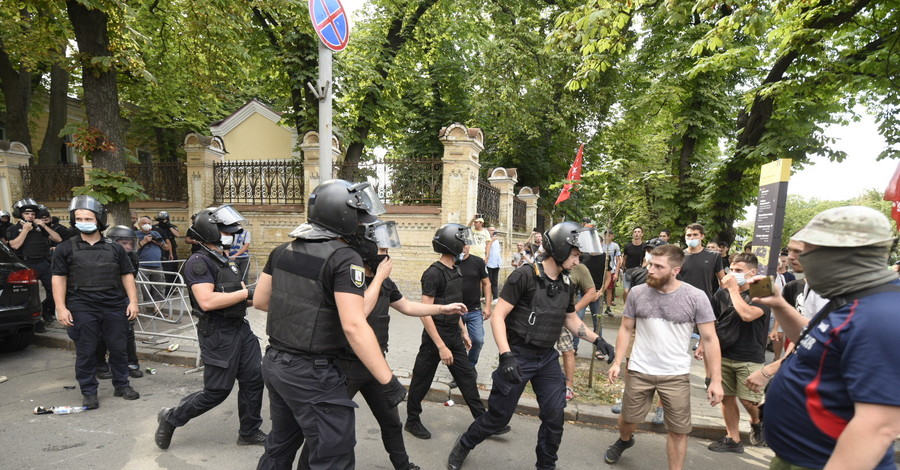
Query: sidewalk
[[405, 340]]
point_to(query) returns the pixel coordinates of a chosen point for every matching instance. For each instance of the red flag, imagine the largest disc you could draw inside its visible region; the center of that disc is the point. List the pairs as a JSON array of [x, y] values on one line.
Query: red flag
[[574, 175], [892, 193]]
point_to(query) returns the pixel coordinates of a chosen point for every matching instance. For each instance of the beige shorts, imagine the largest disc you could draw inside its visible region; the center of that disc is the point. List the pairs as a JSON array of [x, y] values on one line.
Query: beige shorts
[[734, 378], [673, 390]]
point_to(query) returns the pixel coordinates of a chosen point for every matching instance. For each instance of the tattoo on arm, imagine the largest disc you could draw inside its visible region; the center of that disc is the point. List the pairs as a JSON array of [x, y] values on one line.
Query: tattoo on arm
[[582, 331]]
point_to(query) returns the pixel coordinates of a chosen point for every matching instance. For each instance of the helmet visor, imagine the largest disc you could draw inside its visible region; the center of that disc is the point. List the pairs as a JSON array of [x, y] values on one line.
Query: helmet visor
[[85, 202], [367, 199], [227, 215], [588, 241], [465, 234], [384, 233], [130, 243]]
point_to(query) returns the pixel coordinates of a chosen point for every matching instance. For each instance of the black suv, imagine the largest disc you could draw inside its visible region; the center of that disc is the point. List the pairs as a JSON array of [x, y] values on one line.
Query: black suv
[[20, 302]]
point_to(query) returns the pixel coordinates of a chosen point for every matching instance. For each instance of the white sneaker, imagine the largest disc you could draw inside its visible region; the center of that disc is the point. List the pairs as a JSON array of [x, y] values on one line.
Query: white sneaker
[[658, 416], [617, 408]]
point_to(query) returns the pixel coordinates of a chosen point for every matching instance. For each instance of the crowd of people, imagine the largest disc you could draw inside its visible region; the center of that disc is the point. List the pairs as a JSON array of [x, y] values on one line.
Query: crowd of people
[[826, 401]]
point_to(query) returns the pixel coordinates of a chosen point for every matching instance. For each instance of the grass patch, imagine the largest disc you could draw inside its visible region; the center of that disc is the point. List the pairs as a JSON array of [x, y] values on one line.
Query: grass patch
[[602, 392]]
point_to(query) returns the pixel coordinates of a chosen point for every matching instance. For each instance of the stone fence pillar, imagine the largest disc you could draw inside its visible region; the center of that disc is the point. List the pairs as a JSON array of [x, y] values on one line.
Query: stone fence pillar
[[531, 199], [12, 156], [202, 151], [459, 189], [505, 179], [310, 154]]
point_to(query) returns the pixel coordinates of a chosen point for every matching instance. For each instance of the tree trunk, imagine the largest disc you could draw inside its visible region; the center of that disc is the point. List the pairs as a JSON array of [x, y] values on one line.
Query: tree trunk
[[101, 92], [16, 86], [59, 114]]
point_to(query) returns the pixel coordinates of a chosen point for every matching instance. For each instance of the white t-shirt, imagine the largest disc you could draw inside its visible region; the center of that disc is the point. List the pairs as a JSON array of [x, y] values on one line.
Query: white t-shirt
[[664, 323]]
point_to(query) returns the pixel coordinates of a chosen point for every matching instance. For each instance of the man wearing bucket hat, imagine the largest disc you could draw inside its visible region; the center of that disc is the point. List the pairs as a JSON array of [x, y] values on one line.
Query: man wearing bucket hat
[[833, 403]]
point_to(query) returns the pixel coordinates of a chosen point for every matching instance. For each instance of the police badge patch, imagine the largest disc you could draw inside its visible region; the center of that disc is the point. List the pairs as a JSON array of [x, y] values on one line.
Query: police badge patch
[[357, 275], [234, 267]]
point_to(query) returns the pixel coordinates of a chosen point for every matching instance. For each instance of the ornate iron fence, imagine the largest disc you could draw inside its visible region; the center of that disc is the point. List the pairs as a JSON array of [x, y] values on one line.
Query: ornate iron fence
[[401, 182], [51, 182], [258, 182], [162, 181], [519, 214], [488, 204], [541, 222]]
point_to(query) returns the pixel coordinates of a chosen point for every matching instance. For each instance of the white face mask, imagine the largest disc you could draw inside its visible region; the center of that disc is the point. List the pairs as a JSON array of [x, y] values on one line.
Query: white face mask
[[146, 227], [647, 256], [227, 240]]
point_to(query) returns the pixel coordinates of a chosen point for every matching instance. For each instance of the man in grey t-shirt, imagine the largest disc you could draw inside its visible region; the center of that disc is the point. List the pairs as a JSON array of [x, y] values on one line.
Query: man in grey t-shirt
[[665, 311]]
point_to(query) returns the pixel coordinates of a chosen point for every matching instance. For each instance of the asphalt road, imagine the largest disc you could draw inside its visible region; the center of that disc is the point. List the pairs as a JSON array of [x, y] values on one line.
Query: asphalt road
[[119, 434]]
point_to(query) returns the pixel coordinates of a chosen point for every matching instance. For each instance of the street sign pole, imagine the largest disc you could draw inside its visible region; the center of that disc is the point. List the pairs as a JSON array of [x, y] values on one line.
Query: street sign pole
[[332, 25], [324, 89]]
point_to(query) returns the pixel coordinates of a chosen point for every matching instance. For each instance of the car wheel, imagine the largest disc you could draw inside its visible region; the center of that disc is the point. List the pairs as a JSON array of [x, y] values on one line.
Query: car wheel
[[17, 341]]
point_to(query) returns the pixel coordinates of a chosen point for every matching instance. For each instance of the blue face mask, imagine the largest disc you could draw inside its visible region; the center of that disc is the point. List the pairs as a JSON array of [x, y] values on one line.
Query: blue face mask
[[86, 227], [739, 277], [693, 243]]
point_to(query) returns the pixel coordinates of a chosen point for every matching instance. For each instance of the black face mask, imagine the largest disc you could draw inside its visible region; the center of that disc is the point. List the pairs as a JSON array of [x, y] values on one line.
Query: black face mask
[[374, 262]]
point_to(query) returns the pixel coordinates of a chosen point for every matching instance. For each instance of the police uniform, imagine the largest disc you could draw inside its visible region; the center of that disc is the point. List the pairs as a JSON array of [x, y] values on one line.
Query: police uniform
[[359, 379], [307, 390], [532, 328], [134, 368], [228, 348], [445, 285], [97, 300], [35, 252]]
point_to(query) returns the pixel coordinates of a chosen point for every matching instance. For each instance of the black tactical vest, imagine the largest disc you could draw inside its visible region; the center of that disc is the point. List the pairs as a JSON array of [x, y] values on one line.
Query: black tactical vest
[[299, 320], [36, 244], [94, 267], [228, 279], [540, 326], [452, 293], [380, 318]]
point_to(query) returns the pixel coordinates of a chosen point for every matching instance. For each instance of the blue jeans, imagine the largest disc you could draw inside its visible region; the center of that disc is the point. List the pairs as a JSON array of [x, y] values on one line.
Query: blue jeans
[[475, 324], [595, 313]]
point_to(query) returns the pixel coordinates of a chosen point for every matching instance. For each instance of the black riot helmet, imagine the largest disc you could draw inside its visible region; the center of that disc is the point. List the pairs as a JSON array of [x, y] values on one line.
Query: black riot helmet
[[563, 237], [88, 203], [211, 222], [368, 238], [123, 236], [42, 211], [340, 206], [23, 205], [451, 238], [4, 214], [163, 216]]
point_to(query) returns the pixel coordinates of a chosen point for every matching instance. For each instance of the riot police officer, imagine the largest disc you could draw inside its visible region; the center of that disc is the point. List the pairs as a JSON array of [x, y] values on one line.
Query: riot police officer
[[95, 293], [124, 236], [30, 239], [443, 338], [228, 348], [535, 303], [5, 224], [372, 241], [313, 289]]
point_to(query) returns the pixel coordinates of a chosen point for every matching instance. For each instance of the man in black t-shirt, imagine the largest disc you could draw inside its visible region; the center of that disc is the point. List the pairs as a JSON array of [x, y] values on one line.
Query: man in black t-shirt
[[445, 338], [745, 356], [95, 293], [633, 257], [476, 283], [702, 268]]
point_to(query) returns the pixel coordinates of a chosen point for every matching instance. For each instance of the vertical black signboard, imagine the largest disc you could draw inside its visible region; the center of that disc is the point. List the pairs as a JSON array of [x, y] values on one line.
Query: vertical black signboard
[[773, 183]]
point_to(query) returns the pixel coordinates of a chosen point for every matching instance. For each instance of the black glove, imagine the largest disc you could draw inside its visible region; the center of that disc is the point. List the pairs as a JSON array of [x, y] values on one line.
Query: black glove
[[394, 392], [509, 367], [605, 348], [250, 292]]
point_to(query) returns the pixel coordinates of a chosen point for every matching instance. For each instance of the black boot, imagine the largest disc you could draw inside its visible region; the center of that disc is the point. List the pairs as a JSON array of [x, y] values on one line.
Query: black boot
[[457, 455]]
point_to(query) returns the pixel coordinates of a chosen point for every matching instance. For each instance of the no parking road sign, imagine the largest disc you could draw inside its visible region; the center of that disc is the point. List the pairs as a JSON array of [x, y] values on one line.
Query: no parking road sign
[[330, 21]]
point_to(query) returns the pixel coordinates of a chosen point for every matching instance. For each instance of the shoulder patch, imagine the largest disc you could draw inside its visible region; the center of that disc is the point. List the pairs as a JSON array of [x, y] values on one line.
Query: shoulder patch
[[199, 268], [357, 275]]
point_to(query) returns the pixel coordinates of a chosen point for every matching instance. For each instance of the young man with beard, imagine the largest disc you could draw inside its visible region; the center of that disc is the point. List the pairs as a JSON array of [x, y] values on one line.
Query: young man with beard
[[664, 312]]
